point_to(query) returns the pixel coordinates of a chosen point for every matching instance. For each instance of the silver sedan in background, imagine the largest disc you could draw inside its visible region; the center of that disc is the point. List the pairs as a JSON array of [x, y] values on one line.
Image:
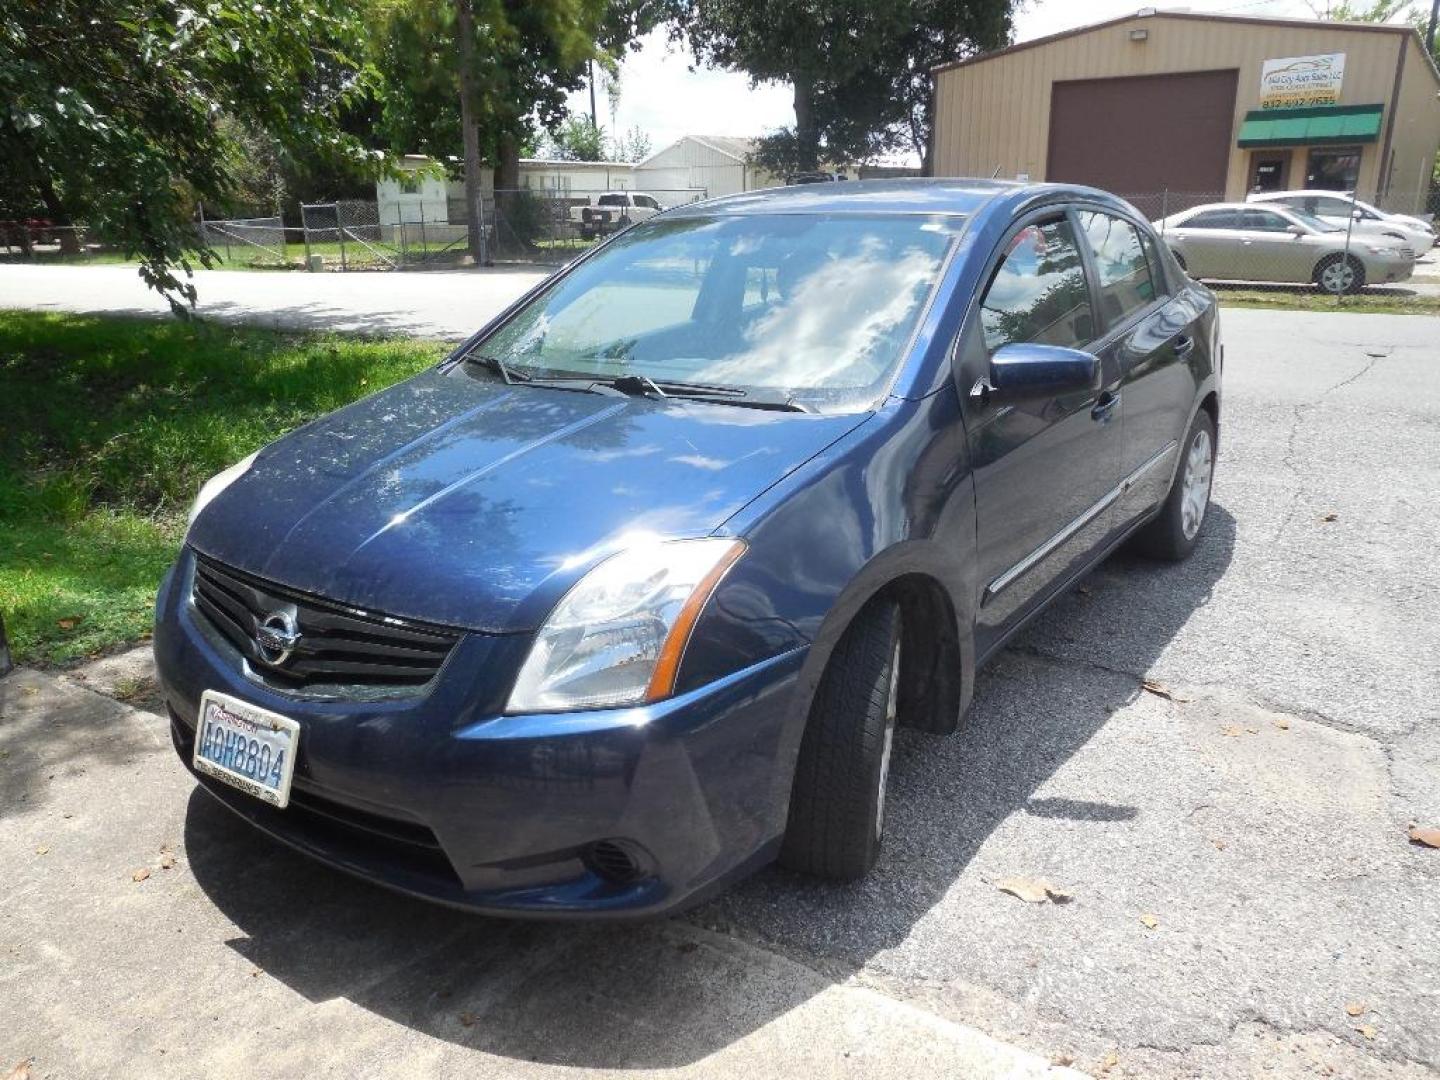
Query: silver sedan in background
[[1246, 242]]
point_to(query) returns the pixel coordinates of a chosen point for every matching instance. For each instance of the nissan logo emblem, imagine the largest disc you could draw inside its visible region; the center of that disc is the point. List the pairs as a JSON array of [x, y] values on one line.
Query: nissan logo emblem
[[277, 637]]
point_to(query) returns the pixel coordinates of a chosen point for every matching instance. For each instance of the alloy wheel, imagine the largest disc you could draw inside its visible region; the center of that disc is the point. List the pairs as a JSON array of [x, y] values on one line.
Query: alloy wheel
[[1195, 490]]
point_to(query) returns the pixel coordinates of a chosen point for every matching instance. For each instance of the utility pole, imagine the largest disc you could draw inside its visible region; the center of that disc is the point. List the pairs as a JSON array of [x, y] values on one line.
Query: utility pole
[[470, 133], [595, 122]]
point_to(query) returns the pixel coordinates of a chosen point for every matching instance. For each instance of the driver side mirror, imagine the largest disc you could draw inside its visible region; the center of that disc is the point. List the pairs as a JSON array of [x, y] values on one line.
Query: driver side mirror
[[1358, 215], [1024, 371], [1295, 230]]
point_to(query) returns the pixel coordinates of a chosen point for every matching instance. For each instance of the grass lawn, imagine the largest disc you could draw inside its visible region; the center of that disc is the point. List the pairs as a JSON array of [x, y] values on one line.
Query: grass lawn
[[1300, 298], [109, 426]]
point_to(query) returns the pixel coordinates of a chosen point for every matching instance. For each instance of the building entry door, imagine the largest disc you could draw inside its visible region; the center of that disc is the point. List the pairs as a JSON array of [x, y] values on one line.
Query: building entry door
[[1268, 172]]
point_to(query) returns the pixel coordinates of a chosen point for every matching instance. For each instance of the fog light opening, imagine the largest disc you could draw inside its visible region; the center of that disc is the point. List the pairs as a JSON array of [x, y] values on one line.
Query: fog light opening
[[615, 861]]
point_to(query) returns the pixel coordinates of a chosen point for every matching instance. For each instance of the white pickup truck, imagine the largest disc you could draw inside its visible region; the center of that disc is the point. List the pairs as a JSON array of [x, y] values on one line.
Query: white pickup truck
[[611, 211]]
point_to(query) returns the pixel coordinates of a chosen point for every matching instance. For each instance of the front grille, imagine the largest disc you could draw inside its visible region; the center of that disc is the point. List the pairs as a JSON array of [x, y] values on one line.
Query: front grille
[[337, 645], [1408, 252]]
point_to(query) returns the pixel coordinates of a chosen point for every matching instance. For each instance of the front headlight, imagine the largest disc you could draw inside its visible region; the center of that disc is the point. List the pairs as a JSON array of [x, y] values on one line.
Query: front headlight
[[218, 483], [617, 637], [1377, 249]]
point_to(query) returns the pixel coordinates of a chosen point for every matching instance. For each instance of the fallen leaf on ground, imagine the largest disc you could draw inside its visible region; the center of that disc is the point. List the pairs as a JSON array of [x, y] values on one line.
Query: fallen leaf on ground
[[1355, 1008], [41, 850], [1219, 844], [1109, 1061], [29, 691], [468, 1019], [1330, 517], [68, 623], [254, 973], [21, 1071], [1033, 891], [1367, 1030], [1150, 920], [1283, 724], [167, 861], [1429, 835], [141, 874], [1233, 731], [1159, 689], [1253, 730], [1063, 1059]]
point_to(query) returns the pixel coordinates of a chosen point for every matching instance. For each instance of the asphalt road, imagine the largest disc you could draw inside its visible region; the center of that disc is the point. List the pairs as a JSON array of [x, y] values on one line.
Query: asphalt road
[[1234, 846], [444, 304]]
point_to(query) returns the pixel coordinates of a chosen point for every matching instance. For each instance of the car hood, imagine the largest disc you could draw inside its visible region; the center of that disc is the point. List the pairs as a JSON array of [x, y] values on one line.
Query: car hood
[[476, 504]]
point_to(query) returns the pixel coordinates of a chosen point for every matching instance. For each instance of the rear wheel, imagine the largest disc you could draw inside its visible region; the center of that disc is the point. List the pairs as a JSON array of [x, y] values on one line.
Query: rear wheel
[[1174, 533], [837, 803], [1339, 274]]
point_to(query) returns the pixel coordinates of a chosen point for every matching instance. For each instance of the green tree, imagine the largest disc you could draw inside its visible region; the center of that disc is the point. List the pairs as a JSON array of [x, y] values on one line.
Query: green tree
[[122, 114], [634, 145], [860, 70], [486, 74], [578, 139]]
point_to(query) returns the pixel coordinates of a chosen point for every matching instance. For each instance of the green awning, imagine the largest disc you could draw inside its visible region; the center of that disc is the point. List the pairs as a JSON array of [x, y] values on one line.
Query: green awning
[[1311, 125]]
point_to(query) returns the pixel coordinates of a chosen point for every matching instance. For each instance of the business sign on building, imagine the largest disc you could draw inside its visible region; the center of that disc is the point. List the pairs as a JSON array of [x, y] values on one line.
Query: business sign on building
[[1301, 80]]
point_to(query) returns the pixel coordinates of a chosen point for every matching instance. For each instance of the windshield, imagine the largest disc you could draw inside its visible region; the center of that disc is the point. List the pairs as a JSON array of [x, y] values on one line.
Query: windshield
[[810, 304], [1313, 222]]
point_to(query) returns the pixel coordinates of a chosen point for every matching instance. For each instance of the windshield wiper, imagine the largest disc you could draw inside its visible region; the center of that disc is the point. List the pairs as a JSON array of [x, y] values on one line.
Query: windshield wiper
[[497, 366], [643, 386]]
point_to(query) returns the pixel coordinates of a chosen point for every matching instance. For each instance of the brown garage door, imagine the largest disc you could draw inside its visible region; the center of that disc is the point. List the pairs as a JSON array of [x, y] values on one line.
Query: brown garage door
[[1143, 134]]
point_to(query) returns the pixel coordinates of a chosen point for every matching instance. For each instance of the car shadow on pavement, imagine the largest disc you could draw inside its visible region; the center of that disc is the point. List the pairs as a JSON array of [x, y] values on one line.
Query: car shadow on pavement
[[668, 993]]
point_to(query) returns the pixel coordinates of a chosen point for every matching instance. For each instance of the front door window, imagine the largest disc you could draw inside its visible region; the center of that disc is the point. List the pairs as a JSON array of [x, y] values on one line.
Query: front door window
[[1333, 168]]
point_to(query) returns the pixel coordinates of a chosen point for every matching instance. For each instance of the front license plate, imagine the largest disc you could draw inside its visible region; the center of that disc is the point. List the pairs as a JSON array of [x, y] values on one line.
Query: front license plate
[[247, 747]]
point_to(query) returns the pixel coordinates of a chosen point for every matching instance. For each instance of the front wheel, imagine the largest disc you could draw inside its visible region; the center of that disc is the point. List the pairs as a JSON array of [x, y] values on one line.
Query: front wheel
[[837, 803], [1174, 533], [1340, 274]]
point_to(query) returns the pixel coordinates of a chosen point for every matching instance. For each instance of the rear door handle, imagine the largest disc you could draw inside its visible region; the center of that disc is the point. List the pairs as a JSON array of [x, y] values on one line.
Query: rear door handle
[[1183, 344], [1104, 406]]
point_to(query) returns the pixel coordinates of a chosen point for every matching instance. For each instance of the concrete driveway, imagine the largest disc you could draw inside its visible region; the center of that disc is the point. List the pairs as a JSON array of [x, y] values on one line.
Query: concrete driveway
[[1217, 761]]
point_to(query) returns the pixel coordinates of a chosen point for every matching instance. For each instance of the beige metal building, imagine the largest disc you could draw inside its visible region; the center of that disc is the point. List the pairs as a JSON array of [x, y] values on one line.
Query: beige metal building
[[1200, 104]]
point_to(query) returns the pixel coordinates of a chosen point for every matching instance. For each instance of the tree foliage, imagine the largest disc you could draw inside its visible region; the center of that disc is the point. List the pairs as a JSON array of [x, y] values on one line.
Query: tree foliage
[[530, 55], [578, 139], [121, 114], [860, 68], [634, 145]]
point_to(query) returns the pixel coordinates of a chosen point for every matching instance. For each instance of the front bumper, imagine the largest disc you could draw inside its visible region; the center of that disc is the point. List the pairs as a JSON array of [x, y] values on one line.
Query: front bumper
[[439, 796]]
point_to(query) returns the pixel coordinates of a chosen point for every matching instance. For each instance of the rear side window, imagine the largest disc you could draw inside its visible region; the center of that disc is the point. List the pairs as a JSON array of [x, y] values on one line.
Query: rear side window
[[1213, 219], [1126, 281], [1038, 292], [611, 200], [647, 202]]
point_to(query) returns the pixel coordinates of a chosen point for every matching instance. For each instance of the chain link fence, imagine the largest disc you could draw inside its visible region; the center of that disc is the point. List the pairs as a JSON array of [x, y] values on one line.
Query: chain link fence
[[521, 226], [1330, 242], [256, 242], [1326, 242]]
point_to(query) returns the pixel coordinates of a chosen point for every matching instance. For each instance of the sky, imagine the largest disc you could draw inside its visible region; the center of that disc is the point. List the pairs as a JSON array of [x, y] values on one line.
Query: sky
[[662, 96]]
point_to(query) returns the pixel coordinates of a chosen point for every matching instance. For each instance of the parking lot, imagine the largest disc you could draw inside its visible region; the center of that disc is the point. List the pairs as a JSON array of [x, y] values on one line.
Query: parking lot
[[1216, 762]]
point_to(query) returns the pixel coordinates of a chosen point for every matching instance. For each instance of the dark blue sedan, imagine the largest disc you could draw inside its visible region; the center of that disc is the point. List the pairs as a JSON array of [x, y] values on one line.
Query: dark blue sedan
[[625, 598]]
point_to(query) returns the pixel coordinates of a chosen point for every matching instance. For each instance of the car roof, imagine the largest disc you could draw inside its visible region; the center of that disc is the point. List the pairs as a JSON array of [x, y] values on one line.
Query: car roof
[[912, 195], [1306, 192]]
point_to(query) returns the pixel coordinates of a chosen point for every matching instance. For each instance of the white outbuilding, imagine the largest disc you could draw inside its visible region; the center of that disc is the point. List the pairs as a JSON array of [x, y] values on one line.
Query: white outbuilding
[[715, 164]]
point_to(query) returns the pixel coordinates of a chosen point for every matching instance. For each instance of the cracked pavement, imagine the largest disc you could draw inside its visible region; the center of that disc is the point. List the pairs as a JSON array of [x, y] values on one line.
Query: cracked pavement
[[1252, 805]]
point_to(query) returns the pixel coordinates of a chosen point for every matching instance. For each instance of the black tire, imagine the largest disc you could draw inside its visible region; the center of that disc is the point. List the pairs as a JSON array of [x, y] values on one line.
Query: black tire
[[1168, 537], [1353, 284], [837, 804]]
